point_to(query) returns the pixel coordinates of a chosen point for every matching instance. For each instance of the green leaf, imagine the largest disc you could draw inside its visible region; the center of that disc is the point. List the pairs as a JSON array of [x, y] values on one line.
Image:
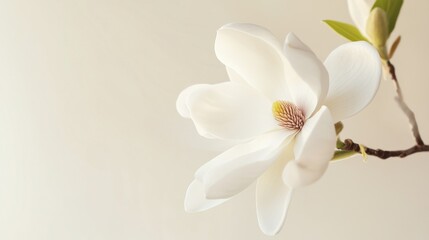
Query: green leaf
[[346, 30], [340, 144], [340, 155], [392, 8]]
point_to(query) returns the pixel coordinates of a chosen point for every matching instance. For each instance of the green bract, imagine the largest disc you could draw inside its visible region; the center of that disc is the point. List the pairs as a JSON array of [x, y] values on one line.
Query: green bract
[[377, 27], [346, 30]]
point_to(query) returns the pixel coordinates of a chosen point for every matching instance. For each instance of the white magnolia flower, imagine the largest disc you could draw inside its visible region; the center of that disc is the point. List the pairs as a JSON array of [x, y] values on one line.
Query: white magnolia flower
[[282, 103]]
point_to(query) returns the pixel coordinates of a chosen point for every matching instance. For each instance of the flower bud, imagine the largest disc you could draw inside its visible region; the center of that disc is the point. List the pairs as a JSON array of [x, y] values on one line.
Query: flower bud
[[377, 29]]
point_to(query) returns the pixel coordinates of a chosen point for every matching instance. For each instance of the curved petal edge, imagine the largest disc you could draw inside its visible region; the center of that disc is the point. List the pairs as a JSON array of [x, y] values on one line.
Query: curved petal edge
[[355, 71]]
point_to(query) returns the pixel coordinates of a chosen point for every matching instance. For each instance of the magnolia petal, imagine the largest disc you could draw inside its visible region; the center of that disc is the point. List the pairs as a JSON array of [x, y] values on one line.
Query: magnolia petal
[[235, 77], [234, 170], [230, 111], [255, 55], [307, 79], [182, 100], [314, 148], [273, 196], [182, 105], [296, 176], [195, 199], [359, 12], [355, 71]]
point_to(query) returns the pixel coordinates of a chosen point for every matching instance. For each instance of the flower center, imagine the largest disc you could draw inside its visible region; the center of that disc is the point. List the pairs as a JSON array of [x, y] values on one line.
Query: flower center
[[288, 115]]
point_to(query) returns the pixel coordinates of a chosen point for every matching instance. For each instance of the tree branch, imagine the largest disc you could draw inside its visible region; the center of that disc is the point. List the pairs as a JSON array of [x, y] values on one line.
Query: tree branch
[[404, 107], [349, 145]]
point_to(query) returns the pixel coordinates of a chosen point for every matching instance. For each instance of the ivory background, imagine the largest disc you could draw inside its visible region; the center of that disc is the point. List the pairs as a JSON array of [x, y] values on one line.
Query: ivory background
[[91, 146]]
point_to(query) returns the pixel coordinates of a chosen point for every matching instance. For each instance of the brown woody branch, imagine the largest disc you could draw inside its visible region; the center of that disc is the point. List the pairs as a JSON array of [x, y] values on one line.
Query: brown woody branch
[[404, 107], [349, 145]]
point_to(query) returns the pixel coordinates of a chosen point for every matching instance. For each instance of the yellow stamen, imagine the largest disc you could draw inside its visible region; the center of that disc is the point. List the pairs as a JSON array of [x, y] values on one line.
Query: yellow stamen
[[288, 115]]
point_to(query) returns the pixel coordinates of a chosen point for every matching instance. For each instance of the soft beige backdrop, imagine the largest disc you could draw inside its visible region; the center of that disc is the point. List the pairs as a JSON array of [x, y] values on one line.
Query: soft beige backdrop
[[91, 146]]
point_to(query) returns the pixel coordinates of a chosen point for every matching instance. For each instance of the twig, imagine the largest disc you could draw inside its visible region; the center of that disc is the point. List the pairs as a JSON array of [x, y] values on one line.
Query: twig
[[349, 145], [407, 111]]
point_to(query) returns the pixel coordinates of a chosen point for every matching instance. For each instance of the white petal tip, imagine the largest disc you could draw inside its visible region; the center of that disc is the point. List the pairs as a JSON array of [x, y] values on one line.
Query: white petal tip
[[181, 107], [293, 41], [272, 226], [291, 38], [196, 201], [269, 230], [183, 98]]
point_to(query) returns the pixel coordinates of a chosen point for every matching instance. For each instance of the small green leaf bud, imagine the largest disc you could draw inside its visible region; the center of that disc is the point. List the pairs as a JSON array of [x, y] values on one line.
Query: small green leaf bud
[[378, 30]]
